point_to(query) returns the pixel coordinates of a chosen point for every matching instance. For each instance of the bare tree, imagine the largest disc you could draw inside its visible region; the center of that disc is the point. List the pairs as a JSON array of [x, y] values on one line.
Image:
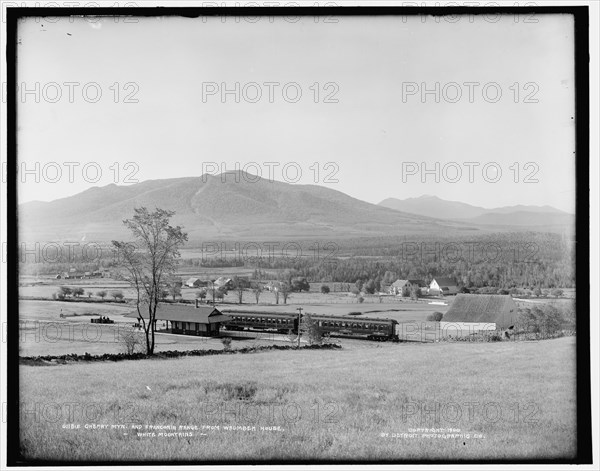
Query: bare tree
[[150, 261], [257, 290], [212, 288], [130, 340]]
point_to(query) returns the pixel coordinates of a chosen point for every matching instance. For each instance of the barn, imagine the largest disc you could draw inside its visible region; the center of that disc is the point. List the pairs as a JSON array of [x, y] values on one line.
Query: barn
[[201, 320], [443, 286], [194, 283], [474, 312], [404, 287], [399, 287]]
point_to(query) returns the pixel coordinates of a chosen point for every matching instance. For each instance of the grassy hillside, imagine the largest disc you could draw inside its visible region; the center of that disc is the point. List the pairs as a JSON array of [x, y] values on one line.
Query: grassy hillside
[[324, 406]]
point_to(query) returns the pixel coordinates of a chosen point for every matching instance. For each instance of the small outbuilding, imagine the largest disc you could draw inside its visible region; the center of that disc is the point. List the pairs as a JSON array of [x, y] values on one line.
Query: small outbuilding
[[201, 320]]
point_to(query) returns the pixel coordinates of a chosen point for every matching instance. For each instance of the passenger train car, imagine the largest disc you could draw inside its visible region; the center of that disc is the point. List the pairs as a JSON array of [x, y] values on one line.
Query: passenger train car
[[249, 320], [369, 328]]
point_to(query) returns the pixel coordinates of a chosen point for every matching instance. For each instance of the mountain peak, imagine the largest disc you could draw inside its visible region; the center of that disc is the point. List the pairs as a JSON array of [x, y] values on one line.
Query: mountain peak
[[232, 205]]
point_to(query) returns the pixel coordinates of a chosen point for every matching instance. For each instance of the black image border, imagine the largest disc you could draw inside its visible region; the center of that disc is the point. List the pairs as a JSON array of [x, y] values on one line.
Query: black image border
[[581, 54]]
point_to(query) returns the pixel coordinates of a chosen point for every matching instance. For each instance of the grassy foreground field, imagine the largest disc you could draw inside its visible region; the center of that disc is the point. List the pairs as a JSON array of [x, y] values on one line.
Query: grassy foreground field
[[500, 400]]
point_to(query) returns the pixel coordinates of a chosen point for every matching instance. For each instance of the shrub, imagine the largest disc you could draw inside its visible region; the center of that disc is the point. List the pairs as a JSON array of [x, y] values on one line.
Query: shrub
[[545, 321], [325, 289], [435, 317], [130, 341], [360, 299], [226, 343]]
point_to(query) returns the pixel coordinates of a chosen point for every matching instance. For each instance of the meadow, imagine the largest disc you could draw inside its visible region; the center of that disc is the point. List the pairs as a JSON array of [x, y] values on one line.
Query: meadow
[[368, 401], [44, 332]]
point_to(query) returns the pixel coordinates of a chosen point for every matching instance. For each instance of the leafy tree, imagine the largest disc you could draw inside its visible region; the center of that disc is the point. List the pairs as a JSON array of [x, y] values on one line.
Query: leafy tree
[[64, 291], [239, 285], [285, 290], [77, 292], [174, 290], [414, 292], [300, 284], [325, 289], [150, 261], [537, 291], [369, 287], [101, 294], [221, 292], [358, 285], [117, 295], [201, 294]]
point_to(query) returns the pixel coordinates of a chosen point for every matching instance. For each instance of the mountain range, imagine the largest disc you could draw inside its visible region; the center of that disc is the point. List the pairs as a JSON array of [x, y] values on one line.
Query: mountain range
[[237, 206], [520, 215]]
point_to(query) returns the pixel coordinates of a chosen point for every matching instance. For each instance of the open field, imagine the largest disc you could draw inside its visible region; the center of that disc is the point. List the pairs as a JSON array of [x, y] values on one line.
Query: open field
[[502, 400], [43, 332]]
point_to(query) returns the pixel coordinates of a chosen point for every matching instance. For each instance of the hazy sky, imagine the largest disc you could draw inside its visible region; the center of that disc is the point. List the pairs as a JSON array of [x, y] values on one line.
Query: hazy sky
[[370, 121]]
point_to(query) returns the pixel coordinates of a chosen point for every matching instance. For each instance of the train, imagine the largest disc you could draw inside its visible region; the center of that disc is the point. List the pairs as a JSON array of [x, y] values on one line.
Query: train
[[376, 329]]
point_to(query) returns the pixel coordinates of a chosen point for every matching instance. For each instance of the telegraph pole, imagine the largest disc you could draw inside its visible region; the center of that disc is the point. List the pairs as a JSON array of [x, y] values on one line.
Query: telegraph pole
[[299, 309]]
